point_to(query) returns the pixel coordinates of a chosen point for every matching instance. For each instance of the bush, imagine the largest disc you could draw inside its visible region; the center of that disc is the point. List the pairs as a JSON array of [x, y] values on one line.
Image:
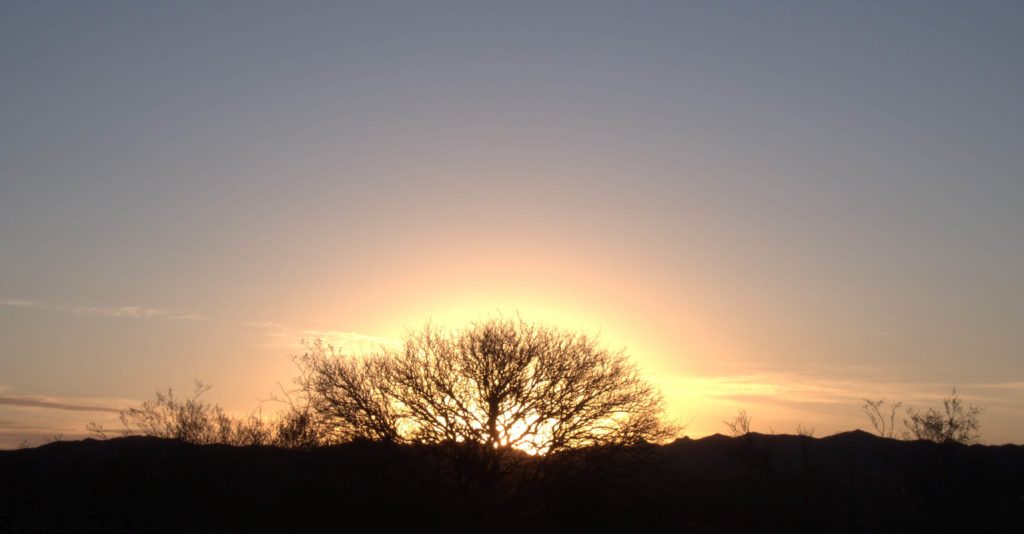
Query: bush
[[192, 420], [740, 425], [958, 424]]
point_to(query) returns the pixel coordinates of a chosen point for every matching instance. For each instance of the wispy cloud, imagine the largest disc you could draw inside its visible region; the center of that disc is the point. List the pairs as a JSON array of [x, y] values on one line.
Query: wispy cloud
[[279, 335], [136, 312], [18, 303], [810, 388], [127, 312], [38, 419], [1016, 386], [56, 403]]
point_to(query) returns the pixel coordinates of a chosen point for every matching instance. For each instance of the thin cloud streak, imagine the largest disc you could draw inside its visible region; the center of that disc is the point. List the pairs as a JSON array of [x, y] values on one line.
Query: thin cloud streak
[[279, 335], [55, 403], [38, 419], [817, 389], [18, 303], [127, 312]]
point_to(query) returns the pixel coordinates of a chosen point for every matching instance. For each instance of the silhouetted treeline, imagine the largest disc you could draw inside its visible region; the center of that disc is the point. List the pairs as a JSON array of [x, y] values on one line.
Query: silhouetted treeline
[[852, 482]]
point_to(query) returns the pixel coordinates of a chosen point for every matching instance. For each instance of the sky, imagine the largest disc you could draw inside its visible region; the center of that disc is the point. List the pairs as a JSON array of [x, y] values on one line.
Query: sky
[[781, 207]]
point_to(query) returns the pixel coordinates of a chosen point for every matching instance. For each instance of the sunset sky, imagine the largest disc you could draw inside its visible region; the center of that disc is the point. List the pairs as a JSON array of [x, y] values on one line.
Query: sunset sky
[[780, 207]]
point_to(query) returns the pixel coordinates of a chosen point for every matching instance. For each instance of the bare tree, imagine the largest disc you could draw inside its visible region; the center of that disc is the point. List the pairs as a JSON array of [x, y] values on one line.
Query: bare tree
[[343, 398], [740, 425], [501, 384], [957, 424], [883, 422]]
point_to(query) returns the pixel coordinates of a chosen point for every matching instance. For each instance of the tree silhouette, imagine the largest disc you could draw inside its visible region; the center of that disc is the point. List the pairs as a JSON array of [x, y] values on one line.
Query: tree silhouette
[[499, 384], [345, 398]]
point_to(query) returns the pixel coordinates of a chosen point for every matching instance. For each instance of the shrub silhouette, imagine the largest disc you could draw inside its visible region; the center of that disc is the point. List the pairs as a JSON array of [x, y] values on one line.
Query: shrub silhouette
[[192, 420], [498, 384], [956, 423], [883, 423], [740, 425], [804, 431]]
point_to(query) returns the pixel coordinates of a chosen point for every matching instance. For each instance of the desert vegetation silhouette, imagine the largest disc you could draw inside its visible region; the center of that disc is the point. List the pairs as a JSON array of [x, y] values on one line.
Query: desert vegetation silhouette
[[956, 423], [739, 425], [508, 425], [498, 384], [499, 387], [193, 420], [488, 396], [493, 397]]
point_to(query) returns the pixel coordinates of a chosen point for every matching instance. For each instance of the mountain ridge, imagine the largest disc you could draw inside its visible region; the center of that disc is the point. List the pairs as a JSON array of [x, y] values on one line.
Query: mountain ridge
[[849, 482]]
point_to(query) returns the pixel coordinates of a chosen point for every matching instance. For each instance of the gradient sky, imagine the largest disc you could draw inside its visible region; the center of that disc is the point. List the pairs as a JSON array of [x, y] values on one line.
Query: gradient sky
[[782, 207]]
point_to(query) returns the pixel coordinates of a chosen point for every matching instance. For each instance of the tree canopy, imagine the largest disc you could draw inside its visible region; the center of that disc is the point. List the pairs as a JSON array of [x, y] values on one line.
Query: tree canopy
[[499, 383]]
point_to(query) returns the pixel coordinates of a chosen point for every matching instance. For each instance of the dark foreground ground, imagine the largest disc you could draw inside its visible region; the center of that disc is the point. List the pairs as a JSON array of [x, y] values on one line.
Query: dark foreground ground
[[850, 482]]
